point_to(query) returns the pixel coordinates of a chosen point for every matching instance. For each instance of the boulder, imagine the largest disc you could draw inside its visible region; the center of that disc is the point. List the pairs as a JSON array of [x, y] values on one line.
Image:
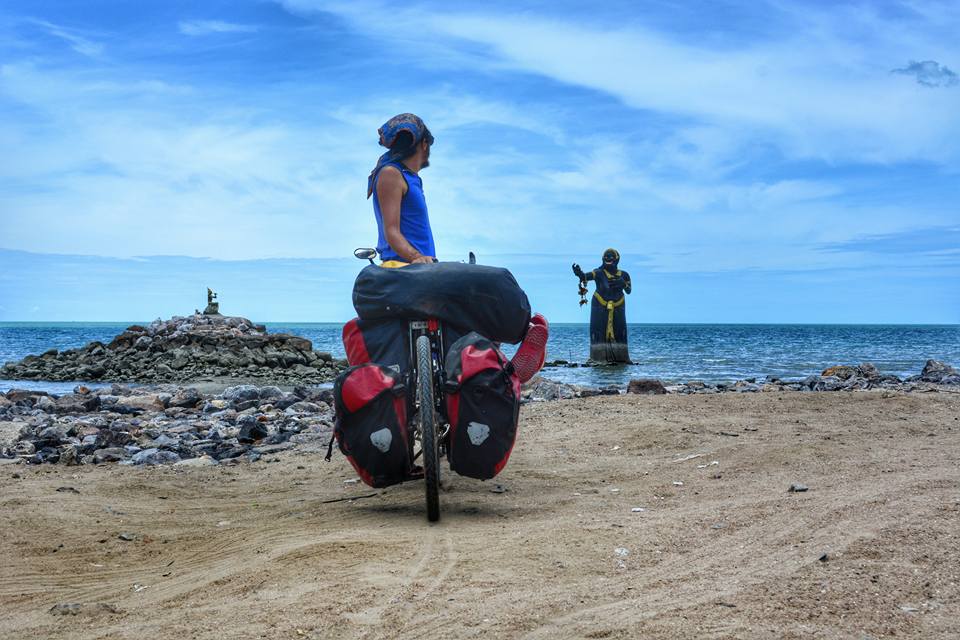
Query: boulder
[[139, 404], [187, 398], [155, 456], [201, 461], [45, 404], [251, 430], [839, 371], [267, 393], [23, 448], [869, 371], [77, 403], [828, 383], [541, 389], [241, 393], [111, 454], [10, 433], [936, 371], [303, 407], [647, 386]]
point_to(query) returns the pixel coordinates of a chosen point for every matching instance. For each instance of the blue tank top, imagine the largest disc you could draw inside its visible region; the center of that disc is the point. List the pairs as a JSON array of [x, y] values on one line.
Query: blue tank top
[[414, 221]]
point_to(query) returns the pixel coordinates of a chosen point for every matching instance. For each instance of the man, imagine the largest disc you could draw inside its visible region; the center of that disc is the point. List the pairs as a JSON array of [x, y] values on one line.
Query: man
[[403, 226]]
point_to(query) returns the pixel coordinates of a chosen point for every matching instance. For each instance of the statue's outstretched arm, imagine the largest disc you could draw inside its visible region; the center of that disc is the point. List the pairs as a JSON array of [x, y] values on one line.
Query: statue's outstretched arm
[[584, 276]]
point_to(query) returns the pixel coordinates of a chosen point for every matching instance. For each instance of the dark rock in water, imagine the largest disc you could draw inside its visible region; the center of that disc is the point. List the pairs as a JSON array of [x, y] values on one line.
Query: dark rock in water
[[936, 371], [648, 386]]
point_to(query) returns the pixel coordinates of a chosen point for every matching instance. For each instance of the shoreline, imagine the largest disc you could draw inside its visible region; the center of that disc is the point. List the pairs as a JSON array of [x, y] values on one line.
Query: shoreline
[[211, 424]]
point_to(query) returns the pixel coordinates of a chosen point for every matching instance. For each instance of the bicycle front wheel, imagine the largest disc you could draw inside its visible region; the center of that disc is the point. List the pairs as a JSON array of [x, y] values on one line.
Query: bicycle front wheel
[[428, 428]]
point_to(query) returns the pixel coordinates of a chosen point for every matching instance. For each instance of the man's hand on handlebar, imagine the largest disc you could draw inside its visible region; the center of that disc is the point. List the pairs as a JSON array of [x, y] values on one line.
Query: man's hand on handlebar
[[422, 260]]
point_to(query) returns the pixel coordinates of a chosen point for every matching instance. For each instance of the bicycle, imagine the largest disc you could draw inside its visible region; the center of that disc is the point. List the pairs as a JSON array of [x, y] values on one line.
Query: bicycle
[[427, 423]]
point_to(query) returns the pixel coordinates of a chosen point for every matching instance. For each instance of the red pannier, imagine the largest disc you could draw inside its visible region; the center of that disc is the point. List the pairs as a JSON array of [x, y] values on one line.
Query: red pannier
[[371, 423], [483, 407], [382, 341]]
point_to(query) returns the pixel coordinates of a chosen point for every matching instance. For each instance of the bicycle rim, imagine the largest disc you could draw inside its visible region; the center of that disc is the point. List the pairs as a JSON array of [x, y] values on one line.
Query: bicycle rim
[[428, 428]]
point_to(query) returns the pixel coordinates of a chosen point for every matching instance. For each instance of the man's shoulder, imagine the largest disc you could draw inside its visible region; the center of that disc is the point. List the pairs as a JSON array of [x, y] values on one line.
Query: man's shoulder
[[390, 169], [391, 174]]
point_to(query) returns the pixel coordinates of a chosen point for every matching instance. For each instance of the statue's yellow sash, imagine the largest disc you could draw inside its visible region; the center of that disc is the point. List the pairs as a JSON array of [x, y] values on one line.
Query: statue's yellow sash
[[611, 307]]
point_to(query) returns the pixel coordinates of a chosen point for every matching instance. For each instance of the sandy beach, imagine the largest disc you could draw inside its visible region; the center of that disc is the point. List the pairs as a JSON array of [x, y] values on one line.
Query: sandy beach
[[594, 537]]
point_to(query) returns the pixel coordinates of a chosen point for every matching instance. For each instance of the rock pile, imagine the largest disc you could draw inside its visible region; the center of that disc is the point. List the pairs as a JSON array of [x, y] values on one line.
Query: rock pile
[[183, 349], [176, 425], [179, 425], [836, 378], [935, 375]]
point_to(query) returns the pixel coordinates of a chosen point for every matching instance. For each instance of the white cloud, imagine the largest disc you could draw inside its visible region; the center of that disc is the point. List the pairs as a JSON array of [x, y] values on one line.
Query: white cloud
[[821, 93], [79, 43], [207, 27]]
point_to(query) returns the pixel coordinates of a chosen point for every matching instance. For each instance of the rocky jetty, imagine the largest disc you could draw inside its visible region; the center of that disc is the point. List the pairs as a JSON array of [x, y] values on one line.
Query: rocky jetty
[[183, 349], [165, 425], [935, 376]]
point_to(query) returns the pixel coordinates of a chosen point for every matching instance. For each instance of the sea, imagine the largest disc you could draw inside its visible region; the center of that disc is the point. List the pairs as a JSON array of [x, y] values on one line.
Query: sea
[[670, 352]]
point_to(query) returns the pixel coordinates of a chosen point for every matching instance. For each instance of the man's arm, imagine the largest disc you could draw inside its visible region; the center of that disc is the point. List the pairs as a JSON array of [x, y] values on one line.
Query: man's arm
[[627, 286], [391, 188]]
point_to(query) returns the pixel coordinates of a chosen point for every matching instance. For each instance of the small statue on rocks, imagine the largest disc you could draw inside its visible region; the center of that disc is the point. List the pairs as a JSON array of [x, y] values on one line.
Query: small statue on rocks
[[213, 308], [608, 316]]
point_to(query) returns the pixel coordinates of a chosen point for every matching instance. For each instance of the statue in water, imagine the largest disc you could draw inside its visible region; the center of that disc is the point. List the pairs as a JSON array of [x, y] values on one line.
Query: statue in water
[[608, 313], [213, 308]]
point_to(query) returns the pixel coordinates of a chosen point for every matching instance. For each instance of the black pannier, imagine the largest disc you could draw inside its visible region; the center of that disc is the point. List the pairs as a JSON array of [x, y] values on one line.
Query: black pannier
[[385, 341], [483, 406], [484, 299], [371, 423]]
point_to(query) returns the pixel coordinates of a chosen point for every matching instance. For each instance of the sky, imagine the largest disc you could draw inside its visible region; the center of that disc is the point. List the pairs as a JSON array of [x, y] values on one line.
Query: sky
[[754, 161]]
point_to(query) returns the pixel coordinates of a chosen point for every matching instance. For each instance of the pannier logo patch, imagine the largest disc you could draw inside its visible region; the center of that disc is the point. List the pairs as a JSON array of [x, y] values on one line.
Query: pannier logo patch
[[477, 432], [382, 439]]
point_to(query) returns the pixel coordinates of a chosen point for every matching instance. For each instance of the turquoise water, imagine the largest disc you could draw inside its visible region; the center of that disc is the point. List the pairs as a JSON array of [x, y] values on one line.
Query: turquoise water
[[672, 352]]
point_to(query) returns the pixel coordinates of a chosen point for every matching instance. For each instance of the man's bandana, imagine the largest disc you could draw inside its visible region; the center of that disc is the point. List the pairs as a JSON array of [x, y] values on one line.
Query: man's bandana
[[388, 135]]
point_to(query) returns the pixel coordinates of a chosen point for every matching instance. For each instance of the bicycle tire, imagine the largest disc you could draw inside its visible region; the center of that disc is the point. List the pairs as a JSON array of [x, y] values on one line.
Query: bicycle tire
[[428, 428]]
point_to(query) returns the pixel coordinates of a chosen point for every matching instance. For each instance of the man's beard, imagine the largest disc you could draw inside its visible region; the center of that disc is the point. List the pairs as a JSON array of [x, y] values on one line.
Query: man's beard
[[426, 159]]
